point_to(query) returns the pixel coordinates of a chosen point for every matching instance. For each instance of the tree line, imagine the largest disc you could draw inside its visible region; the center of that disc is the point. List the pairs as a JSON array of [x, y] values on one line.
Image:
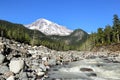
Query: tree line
[[108, 35]]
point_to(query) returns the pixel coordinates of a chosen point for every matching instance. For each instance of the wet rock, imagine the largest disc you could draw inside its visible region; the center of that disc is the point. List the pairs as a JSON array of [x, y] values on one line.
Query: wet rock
[[86, 69], [92, 74], [16, 65]]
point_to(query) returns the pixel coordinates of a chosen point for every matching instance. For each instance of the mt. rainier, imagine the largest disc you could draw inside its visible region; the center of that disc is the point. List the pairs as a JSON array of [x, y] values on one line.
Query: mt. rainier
[[49, 28]]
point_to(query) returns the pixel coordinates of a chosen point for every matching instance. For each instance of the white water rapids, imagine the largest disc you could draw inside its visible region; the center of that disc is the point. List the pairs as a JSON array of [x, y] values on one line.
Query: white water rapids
[[87, 69]]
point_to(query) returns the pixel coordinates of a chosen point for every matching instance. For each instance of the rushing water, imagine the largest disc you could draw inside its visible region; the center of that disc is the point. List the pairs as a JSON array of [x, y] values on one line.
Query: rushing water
[[86, 69]]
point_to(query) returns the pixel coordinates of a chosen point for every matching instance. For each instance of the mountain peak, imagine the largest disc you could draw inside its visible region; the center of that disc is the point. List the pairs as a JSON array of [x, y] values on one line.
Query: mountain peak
[[49, 28], [43, 20]]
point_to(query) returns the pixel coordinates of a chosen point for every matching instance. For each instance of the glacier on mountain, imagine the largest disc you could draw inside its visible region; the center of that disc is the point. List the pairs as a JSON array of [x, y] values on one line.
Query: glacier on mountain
[[49, 28]]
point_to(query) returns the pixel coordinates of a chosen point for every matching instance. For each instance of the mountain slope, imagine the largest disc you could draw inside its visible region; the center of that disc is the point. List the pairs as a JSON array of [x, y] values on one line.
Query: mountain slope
[[49, 28], [77, 37]]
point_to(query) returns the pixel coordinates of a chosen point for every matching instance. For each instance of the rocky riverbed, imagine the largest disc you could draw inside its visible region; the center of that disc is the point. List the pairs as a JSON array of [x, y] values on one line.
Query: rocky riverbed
[[19, 61]]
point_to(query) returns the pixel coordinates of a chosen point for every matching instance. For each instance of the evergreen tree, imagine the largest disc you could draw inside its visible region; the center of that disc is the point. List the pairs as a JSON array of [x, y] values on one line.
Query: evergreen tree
[[116, 28], [108, 34], [100, 35]]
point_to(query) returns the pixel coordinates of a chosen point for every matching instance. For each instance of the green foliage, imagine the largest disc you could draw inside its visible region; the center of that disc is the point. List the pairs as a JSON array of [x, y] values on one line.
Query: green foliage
[[14, 31], [116, 28], [100, 35]]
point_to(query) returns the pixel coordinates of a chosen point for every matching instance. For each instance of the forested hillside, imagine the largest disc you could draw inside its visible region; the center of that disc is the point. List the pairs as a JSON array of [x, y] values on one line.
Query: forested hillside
[[105, 36]]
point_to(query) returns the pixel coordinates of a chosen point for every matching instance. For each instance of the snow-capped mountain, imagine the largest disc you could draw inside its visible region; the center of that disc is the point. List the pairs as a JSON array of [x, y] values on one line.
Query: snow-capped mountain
[[49, 28]]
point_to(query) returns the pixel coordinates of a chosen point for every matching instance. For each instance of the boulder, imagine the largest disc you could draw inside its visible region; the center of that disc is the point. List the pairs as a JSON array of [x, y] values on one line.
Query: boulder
[[2, 57], [16, 65]]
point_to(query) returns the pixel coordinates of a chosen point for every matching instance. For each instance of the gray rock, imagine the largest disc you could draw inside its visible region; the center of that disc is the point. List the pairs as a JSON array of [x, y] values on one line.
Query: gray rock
[[23, 76], [42, 67], [52, 62], [3, 69], [2, 57], [117, 58], [91, 74]]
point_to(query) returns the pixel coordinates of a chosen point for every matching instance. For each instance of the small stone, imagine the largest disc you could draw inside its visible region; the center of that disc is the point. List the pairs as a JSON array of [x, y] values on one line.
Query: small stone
[[52, 62], [8, 74], [40, 73], [44, 58], [3, 69]]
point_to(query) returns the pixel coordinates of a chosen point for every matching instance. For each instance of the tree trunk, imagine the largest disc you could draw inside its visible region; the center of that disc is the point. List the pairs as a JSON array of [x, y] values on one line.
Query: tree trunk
[[118, 38]]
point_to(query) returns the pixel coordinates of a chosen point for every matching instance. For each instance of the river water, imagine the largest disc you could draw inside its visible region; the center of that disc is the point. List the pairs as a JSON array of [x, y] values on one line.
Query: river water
[[87, 69]]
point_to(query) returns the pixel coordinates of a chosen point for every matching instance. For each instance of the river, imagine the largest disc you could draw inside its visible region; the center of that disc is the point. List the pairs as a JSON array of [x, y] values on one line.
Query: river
[[87, 69]]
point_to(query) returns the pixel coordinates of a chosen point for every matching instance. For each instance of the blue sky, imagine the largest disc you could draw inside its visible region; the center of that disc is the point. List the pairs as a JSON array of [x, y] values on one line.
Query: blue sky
[[84, 14]]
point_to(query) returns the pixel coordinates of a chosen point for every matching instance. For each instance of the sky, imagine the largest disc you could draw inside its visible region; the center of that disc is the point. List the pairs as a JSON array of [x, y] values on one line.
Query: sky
[[88, 15]]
